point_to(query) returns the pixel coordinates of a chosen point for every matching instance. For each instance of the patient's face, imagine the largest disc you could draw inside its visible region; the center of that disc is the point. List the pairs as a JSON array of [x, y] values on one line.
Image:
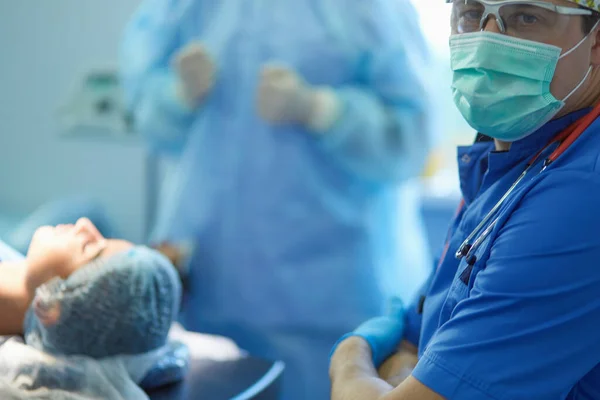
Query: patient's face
[[121, 304], [66, 248], [115, 246]]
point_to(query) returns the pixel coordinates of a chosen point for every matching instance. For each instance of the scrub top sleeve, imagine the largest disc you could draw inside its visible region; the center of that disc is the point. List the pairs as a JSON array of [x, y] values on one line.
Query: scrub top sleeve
[[151, 38], [383, 133], [529, 328]]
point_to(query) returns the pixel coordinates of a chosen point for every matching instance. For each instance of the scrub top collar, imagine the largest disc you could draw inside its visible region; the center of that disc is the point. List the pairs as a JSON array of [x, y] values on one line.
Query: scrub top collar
[[480, 161]]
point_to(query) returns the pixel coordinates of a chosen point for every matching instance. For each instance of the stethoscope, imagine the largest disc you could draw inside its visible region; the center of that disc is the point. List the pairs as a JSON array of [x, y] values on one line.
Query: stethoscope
[[481, 232]]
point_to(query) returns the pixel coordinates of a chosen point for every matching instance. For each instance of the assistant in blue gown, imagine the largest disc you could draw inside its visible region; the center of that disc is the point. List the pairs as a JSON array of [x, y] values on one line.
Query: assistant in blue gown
[[299, 237]]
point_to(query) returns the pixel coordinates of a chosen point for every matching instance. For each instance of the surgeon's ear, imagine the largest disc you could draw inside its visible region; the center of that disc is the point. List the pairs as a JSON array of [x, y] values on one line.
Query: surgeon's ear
[[595, 55]]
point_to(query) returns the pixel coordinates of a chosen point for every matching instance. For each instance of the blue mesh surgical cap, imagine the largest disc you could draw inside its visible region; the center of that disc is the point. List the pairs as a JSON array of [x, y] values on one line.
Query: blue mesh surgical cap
[[124, 304]]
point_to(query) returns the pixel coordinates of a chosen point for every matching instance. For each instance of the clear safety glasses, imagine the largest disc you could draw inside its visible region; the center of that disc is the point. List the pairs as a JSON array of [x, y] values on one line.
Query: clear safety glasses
[[532, 20]]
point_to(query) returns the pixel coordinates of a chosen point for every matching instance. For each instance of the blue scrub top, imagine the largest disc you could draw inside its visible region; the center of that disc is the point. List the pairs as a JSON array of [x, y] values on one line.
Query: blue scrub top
[[525, 322]]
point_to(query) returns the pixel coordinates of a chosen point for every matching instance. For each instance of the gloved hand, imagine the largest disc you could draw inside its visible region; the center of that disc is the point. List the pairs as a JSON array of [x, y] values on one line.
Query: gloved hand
[[195, 69], [383, 334], [283, 97]]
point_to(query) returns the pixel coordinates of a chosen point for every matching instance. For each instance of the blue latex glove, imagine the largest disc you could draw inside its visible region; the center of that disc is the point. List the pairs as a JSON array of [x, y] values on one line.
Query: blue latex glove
[[382, 333]]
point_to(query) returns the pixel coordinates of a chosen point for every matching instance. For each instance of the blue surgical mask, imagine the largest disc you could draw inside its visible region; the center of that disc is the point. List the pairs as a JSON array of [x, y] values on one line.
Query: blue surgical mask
[[501, 84]]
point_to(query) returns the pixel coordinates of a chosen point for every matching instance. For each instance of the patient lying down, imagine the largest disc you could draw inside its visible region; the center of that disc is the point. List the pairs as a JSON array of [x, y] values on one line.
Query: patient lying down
[[99, 298], [122, 304], [110, 298]]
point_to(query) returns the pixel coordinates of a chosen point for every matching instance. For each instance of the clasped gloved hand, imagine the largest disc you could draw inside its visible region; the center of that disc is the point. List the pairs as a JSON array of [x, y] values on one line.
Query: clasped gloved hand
[[383, 334], [284, 97], [195, 71]]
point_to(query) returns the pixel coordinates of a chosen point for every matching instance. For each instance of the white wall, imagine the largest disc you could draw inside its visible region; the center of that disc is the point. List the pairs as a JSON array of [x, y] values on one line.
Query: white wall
[[45, 45], [435, 21]]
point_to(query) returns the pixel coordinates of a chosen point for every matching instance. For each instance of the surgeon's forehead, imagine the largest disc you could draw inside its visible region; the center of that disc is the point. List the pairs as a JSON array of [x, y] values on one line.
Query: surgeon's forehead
[[557, 2]]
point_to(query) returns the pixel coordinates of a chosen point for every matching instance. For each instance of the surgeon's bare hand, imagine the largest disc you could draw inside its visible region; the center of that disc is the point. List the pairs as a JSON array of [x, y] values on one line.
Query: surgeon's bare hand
[[59, 251], [400, 365]]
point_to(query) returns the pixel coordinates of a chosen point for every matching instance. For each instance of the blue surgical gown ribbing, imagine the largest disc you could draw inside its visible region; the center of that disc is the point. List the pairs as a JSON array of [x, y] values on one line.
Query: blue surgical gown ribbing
[[298, 236]]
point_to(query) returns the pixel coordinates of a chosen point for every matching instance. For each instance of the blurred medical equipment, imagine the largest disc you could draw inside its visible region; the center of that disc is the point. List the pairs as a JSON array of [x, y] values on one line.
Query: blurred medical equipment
[[96, 106], [95, 111], [273, 208], [244, 378], [220, 370]]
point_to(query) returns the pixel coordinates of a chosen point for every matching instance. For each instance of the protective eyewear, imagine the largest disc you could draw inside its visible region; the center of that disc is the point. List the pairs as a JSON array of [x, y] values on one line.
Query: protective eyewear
[[533, 20]]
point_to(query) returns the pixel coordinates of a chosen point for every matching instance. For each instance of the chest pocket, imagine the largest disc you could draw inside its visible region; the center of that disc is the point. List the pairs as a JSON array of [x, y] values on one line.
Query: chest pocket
[[465, 276]]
